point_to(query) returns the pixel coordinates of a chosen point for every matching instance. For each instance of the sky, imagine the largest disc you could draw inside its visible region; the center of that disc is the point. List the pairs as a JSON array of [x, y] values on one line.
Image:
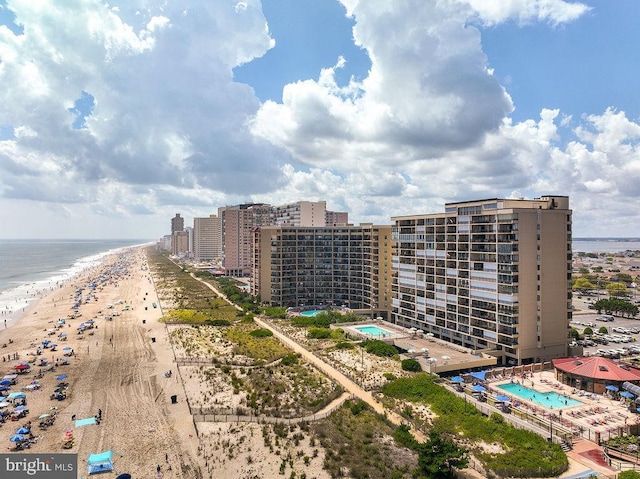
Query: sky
[[116, 116]]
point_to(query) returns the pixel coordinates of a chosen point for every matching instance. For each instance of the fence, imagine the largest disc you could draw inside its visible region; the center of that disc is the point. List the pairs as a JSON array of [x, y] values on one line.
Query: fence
[[231, 415]]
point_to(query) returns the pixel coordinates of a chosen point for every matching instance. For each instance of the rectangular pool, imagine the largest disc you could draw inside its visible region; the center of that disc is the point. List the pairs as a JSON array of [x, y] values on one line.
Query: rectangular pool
[[374, 331], [548, 399]]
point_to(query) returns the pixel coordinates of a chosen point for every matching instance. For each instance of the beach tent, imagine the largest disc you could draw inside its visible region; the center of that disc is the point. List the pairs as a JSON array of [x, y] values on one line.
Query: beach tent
[[13, 397], [100, 462]]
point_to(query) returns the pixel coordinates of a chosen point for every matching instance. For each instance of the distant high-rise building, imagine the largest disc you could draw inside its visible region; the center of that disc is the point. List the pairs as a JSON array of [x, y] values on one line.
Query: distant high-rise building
[[300, 213], [314, 266], [177, 223], [237, 224], [207, 238], [180, 243], [336, 218], [492, 275]]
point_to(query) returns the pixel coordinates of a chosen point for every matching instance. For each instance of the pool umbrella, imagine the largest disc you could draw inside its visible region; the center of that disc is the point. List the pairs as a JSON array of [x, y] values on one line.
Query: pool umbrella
[[457, 379], [62, 377], [23, 430], [611, 388], [16, 438], [502, 398], [478, 389], [479, 375], [626, 394]]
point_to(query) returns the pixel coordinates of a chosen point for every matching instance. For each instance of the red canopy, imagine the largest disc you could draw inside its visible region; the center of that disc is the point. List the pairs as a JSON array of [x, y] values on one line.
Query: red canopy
[[596, 367], [22, 366]]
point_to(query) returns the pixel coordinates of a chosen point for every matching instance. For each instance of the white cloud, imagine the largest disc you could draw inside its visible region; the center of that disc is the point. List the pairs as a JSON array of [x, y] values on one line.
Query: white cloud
[[171, 132]]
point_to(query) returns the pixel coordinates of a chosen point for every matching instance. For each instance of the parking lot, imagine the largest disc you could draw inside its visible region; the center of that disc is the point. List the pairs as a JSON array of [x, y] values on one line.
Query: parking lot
[[623, 334]]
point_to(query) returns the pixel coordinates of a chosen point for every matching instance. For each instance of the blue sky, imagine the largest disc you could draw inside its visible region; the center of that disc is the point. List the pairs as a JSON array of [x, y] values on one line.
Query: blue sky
[[116, 116]]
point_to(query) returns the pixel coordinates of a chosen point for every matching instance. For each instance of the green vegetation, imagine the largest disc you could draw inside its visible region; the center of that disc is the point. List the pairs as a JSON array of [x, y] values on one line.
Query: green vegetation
[[617, 306], [525, 453], [629, 474], [266, 349], [261, 333], [324, 319], [583, 285], [275, 312], [358, 444], [344, 345], [379, 348], [411, 365], [617, 289], [319, 333]]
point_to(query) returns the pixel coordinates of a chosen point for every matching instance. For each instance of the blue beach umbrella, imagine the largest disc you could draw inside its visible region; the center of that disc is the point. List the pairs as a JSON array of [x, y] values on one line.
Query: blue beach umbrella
[[3, 387], [626, 394], [478, 389], [16, 438], [5, 382], [62, 377], [611, 388], [19, 408], [23, 430], [457, 379], [67, 348], [502, 398]]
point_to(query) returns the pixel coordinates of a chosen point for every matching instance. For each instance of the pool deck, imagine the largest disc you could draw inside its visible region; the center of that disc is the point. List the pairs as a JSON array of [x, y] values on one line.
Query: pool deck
[[597, 413]]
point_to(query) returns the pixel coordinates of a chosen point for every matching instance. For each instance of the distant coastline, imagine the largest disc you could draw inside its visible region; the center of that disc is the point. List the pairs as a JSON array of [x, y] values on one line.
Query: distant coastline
[[619, 240]]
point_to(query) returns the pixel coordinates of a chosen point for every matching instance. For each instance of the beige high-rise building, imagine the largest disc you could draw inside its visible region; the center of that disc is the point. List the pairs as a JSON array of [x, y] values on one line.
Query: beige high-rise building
[[237, 224], [493, 275], [180, 243], [336, 218], [207, 238], [300, 213], [313, 267]]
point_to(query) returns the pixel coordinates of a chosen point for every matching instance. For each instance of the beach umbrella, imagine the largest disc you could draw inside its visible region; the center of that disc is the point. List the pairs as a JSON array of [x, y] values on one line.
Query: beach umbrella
[[53, 345], [457, 379], [16, 438], [5, 382], [21, 366], [478, 389], [4, 387], [67, 348], [124, 476], [4, 404], [611, 388], [502, 398], [446, 358], [626, 394], [43, 416], [62, 377], [19, 408], [23, 430]]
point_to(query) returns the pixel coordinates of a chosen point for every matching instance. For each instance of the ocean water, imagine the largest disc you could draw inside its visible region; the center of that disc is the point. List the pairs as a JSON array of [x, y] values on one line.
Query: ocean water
[[29, 268], [605, 245]]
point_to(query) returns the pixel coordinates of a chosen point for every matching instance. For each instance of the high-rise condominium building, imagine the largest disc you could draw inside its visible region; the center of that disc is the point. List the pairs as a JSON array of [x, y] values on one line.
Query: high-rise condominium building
[[300, 213], [207, 238], [180, 243], [177, 223], [492, 275], [341, 266], [237, 225], [336, 218]]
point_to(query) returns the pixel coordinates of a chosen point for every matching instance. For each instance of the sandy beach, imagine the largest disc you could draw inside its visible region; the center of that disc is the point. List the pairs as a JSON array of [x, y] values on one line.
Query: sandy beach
[[117, 367]]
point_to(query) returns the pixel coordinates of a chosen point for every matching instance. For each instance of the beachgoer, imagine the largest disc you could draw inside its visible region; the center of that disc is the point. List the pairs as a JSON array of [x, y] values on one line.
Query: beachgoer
[[166, 457], [158, 468]]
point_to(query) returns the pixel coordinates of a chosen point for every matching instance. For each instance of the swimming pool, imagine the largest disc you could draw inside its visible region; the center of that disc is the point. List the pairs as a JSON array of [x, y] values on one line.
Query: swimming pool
[[549, 399], [312, 312], [374, 331]]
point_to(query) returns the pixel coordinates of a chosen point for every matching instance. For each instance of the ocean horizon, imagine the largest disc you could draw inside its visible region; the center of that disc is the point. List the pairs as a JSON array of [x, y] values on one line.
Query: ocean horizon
[[29, 267]]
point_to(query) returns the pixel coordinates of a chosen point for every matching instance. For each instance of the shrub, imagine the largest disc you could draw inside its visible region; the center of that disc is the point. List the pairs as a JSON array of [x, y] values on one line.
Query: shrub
[[261, 333], [319, 333], [217, 322], [411, 365], [629, 474], [344, 345], [380, 348], [289, 359]]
